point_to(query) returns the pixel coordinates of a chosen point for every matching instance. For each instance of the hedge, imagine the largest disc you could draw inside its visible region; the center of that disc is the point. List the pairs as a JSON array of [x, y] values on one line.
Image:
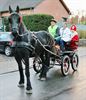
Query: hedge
[[6, 23], [37, 22], [82, 34]]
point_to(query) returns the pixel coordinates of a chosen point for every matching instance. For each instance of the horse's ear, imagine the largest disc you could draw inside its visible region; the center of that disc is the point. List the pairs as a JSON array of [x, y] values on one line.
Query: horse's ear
[[10, 9], [17, 9]]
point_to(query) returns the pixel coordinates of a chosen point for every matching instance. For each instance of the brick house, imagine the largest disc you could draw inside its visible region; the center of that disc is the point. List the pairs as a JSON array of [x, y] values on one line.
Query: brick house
[[56, 8]]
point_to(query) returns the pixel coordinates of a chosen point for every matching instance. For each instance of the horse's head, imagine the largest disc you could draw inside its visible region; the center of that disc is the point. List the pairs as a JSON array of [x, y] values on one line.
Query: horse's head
[[14, 20]]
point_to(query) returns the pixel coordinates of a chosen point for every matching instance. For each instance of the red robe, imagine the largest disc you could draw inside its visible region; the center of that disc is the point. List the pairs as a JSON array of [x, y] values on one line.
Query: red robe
[[74, 42]]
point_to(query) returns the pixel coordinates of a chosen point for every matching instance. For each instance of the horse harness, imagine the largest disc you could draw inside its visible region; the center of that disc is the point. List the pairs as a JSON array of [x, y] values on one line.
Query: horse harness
[[27, 45], [23, 44]]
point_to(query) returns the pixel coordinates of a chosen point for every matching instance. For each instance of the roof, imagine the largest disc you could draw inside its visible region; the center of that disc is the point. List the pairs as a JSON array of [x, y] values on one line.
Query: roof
[[65, 6], [24, 4]]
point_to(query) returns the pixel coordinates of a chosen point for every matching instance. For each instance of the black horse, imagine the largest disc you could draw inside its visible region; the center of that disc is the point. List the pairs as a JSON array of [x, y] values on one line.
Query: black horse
[[25, 43]]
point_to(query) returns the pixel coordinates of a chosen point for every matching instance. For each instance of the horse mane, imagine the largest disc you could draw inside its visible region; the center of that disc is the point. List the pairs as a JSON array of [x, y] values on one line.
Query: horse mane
[[22, 28]]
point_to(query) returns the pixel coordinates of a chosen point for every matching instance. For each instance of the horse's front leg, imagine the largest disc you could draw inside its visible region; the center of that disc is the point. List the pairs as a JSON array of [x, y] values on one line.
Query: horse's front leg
[[27, 72], [21, 81]]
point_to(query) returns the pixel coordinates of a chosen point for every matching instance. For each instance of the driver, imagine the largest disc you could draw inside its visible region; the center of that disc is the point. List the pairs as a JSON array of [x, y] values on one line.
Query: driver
[[53, 29]]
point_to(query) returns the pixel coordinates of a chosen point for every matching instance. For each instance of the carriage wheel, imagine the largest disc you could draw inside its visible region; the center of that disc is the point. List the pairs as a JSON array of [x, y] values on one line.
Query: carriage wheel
[[37, 64], [65, 65], [75, 62]]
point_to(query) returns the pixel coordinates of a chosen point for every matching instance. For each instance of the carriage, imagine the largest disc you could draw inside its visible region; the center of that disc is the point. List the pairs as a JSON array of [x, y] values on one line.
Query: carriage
[[67, 58]]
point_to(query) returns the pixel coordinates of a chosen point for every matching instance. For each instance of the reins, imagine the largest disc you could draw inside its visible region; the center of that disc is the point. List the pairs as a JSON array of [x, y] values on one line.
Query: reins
[[36, 38]]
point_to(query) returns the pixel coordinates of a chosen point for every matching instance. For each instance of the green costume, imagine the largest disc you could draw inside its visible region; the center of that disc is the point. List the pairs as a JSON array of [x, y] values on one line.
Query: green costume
[[52, 30]]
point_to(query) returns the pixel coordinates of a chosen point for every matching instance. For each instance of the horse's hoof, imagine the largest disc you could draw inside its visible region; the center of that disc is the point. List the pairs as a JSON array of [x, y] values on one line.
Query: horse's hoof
[[29, 91], [43, 79], [21, 85]]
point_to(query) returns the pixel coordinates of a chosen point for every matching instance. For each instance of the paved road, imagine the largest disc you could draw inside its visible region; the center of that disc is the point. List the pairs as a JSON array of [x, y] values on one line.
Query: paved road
[[72, 87]]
